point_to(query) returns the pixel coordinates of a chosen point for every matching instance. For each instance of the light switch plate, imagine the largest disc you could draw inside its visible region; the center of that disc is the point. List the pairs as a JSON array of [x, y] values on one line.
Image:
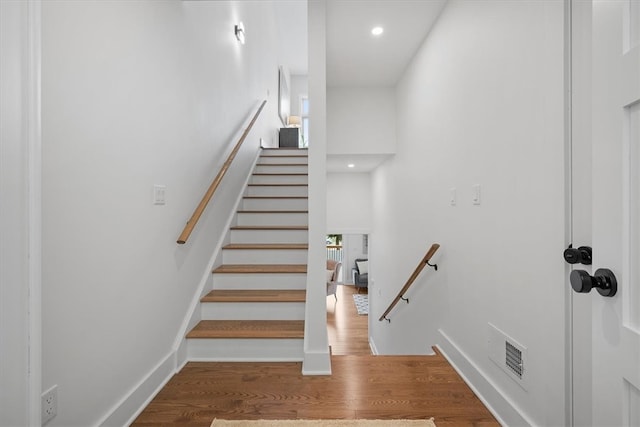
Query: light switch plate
[[475, 191], [453, 198], [159, 194]]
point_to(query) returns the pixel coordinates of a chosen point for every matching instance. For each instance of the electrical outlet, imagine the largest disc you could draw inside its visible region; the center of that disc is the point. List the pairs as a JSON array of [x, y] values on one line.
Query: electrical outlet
[[49, 404]]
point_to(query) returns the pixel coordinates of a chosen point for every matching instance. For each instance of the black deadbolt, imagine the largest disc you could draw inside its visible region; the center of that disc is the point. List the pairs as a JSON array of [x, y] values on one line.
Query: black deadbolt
[[580, 255], [603, 280]]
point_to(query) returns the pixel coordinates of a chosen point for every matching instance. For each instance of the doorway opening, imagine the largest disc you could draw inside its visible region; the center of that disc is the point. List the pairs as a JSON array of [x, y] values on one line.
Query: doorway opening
[[347, 309]]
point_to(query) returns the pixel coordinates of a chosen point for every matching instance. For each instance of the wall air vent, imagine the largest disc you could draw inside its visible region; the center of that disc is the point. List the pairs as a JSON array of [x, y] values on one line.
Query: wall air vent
[[513, 359], [508, 354]]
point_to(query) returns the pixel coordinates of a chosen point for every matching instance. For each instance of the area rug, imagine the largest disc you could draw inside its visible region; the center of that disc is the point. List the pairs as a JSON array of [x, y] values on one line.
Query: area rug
[[362, 303], [323, 423]]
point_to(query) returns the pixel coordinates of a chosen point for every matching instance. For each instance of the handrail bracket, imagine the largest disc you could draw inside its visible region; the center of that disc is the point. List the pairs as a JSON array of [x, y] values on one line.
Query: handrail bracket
[[424, 261]]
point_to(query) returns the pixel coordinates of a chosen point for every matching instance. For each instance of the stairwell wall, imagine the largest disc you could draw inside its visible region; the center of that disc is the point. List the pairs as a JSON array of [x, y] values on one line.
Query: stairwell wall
[[137, 94], [481, 103]]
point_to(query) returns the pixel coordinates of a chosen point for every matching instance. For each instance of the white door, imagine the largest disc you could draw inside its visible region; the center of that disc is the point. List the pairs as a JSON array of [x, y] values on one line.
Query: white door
[[616, 211]]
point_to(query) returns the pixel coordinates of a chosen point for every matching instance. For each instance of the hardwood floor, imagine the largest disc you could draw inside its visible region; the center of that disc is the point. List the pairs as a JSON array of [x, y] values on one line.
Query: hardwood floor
[[361, 386], [348, 332]]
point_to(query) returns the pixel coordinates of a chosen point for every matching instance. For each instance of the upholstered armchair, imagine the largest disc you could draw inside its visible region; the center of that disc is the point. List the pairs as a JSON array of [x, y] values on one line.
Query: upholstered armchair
[[361, 274], [333, 273]]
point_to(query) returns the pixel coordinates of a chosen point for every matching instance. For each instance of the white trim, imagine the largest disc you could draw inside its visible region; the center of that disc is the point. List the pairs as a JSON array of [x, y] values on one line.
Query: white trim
[[568, 204], [32, 113], [502, 408], [372, 346], [138, 398], [316, 363]]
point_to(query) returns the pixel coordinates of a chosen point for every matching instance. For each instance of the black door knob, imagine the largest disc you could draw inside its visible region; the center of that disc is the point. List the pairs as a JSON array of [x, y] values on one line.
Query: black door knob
[[603, 280], [580, 255]]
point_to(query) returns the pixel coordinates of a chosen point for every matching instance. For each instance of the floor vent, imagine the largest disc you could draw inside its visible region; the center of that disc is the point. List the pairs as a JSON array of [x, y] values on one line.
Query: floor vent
[[508, 354]]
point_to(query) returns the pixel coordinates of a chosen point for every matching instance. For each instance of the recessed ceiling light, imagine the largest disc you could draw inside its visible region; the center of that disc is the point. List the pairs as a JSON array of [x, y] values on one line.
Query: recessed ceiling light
[[376, 31], [351, 165]]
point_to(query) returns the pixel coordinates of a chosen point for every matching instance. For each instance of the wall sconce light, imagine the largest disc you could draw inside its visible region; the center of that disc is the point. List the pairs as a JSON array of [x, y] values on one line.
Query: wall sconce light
[[293, 121], [239, 31]]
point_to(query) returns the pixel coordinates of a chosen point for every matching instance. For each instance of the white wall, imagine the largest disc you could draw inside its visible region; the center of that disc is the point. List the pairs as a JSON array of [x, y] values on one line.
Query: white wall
[[299, 87], [353, 248], [137, 94], [481, 103], [19, 216], [348, 203], [361, 121]]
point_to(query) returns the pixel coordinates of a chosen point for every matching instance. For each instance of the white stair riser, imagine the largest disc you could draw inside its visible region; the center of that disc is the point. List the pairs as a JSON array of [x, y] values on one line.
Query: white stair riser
[[274, 281], [275, 204], [280, 168], [266, 350], [285, 159], [269, 190], [263, 256], [269, 236], [269, 218], [279, 179], [252, 311]]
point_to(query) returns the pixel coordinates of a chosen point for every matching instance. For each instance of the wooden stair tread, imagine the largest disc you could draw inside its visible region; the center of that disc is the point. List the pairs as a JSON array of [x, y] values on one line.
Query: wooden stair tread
[[267, 246], [261, 268], [284, 148], [270, 227], [248, 329], [269, 212], [282, 164], [280, 174], [256, 295], [278, 185], [275, 197]]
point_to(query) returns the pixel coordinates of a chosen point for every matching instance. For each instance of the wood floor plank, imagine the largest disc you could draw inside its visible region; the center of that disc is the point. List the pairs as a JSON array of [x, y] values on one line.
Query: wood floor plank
[[361, 386], [230, 295], [202, 391]]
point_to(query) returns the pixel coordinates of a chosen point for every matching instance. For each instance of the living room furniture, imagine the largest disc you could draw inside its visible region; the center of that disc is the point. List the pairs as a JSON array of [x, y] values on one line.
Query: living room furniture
[[288, 137], [361, 274], [333, 273]]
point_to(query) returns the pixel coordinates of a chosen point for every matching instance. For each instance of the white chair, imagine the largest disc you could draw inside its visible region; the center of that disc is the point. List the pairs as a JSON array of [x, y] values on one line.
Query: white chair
[[332, 280]]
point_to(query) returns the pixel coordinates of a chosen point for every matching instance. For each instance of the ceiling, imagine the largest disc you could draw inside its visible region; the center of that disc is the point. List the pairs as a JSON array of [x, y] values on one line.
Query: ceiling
[[356, 58]]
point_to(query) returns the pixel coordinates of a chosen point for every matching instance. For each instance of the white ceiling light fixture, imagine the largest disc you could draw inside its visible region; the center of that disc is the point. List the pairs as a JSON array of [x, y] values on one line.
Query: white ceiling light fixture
[[351, 165], [377, 31], [239, 31]]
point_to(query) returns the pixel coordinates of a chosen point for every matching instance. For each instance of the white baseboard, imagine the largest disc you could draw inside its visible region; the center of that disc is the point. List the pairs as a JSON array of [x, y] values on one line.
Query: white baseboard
[[500, 406], [316, 363], [134, 402], [372, 346]]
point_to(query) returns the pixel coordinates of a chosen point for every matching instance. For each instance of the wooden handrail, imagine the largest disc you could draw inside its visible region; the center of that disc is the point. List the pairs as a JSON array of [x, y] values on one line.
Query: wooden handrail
[[216, 181], [425, 261]]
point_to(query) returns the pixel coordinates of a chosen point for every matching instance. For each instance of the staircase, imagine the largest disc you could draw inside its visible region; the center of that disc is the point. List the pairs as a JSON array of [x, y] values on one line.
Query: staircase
[[256, 308]]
